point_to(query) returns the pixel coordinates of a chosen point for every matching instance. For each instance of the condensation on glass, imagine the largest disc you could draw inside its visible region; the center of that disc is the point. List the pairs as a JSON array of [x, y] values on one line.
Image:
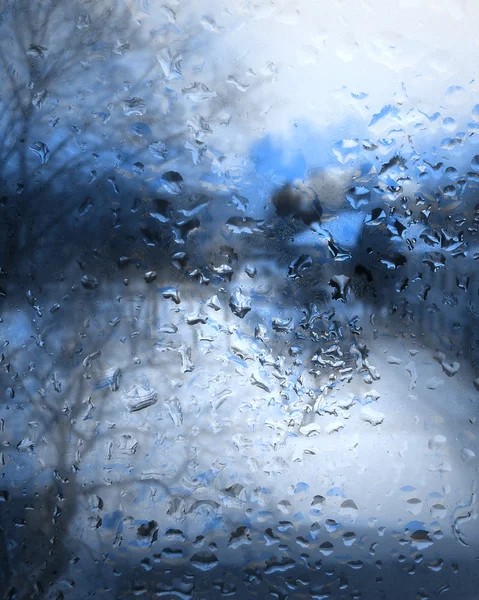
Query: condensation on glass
[[239, 299]]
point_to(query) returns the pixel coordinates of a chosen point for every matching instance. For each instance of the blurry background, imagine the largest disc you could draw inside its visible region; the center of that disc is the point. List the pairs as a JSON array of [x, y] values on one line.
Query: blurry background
[[238, 299]]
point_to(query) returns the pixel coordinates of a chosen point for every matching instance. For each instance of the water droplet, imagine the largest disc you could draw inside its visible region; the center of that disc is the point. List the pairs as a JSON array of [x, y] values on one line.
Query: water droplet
[[41, 150], [239, 304]]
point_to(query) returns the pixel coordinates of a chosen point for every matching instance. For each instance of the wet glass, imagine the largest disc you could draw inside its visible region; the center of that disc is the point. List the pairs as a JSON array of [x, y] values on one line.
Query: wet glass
[[239, 299]]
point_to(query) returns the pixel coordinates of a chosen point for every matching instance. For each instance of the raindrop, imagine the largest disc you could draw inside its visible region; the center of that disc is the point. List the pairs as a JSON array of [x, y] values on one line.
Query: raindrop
[[41, 150], [89, 282], [239, 304]]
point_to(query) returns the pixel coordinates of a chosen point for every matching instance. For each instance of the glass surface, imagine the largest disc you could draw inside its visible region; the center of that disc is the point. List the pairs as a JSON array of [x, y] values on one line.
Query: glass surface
[[239, 299]]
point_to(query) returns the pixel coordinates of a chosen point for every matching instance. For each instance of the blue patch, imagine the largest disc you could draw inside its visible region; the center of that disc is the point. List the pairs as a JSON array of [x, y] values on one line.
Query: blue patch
[[346, 228], [415, 525], [271, 159], [301, 487], [112, 520], [336, 491]]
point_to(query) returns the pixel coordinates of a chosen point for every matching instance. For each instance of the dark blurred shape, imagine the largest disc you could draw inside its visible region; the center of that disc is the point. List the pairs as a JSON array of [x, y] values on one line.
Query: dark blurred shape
[[297, 203]]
